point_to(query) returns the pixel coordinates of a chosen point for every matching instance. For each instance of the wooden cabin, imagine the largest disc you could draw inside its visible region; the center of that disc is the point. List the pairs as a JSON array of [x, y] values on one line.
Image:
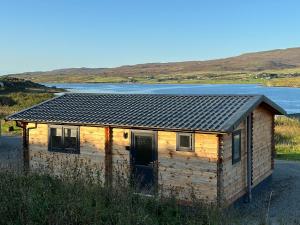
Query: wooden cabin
[[217, 147]]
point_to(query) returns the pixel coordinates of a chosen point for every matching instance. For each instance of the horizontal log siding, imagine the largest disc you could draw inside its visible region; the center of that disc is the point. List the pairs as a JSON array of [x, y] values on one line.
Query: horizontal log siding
[[234, 175], [91, 155], [120, 156], [182, 172], [262, 144], [185, 173]]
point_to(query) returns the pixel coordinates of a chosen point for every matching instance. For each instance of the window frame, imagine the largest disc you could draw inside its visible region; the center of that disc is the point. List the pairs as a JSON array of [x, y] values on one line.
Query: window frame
[[63, 149], [239, 133], [185, 149]]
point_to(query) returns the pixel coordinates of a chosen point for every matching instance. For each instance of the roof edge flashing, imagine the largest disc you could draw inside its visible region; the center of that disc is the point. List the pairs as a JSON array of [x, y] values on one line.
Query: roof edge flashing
[[259, 101]]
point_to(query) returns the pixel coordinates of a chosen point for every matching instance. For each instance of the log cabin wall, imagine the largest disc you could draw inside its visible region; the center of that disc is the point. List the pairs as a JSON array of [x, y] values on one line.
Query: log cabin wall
[[234, 179], [182, 172], [262, 144], [185, 173], [121, 156], [92, 152]]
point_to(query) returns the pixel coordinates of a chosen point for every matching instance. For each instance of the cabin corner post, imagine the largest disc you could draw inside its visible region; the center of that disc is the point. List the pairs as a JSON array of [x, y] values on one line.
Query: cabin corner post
[[108, 156], [273, 150], [25, 137], [249, 156], [220, 196]]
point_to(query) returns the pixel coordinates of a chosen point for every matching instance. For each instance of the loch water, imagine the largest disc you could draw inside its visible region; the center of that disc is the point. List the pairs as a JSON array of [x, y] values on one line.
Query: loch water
[[287, 97]]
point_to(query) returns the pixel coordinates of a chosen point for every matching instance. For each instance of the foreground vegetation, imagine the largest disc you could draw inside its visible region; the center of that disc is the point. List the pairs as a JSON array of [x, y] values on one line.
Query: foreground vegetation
[[287, 138], [42, 199]]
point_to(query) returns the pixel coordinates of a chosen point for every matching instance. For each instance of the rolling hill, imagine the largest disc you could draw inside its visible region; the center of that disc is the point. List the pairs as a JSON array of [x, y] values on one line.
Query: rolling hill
[[246, 67]]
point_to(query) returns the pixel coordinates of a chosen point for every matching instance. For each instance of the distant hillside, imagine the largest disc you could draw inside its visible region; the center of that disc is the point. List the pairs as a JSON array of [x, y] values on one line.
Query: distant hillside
[[17, 94], [250, 63]]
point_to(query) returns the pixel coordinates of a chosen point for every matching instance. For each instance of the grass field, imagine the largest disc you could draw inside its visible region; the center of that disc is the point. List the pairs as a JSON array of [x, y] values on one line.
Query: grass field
[[18, 94], [17, 102], [42, 199], [281, 77], [287, 138]]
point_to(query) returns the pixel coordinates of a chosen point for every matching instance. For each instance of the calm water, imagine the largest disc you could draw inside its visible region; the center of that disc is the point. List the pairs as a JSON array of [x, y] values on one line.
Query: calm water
[[288, 98]]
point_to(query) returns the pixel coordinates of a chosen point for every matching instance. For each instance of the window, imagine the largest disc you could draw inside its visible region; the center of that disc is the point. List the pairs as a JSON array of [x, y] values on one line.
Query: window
[[236, 146], [64, 139], [185, 142]]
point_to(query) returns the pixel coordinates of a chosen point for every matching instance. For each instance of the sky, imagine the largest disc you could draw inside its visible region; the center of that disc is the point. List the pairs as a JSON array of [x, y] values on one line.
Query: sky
[[39, 35]]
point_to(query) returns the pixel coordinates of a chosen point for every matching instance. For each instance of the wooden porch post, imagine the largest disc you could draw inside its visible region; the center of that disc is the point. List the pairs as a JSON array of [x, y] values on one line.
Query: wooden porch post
[[108, 155], [25, 137]]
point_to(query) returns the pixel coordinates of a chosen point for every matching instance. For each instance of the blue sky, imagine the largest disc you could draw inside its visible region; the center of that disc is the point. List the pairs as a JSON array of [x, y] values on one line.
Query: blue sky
[[51, 34]]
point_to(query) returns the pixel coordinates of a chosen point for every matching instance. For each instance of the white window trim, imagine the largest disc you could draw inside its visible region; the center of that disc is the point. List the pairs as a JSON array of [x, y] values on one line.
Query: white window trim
[[185, 149]]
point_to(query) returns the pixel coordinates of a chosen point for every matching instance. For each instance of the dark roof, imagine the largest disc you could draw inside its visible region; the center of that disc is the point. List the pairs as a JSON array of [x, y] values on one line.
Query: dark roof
[[210, 113]]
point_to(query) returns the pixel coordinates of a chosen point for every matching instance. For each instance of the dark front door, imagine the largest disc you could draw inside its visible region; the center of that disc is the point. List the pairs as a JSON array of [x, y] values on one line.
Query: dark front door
[[143, 161]]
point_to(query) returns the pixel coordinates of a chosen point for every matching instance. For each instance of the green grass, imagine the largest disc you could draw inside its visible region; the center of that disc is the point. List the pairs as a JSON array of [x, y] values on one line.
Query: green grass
[[19, 101], [190, 79], [22, 100], [5, 126], [284, 82], [287, 138], [42, 199]]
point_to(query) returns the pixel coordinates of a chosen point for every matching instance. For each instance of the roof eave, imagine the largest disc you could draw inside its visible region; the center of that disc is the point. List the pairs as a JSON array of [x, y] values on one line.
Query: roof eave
[[7, 118], [277, 110], [120, 126]]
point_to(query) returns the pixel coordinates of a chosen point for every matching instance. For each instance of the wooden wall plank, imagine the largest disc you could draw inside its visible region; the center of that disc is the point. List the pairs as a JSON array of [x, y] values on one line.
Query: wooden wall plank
[[187, 173]]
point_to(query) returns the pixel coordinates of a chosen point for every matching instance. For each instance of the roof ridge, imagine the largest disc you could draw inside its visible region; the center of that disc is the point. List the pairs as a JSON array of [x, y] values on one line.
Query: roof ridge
[[156, 94]]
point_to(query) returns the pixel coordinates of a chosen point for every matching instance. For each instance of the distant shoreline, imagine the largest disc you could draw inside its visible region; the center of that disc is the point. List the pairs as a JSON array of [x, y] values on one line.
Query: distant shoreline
[[284, 82]]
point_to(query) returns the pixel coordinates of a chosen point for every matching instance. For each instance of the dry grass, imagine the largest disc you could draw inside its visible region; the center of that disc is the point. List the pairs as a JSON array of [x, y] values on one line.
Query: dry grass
[[80, 197], [287, 138], [284, 82]]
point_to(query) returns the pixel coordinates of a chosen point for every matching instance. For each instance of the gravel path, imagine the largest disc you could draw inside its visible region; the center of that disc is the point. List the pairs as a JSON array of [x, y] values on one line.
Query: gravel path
[[285, 205], [10, 152], [278, 203]]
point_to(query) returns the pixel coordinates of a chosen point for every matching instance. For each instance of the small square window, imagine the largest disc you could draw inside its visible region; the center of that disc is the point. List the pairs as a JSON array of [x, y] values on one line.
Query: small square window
[[185, 142], [236, 146]]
